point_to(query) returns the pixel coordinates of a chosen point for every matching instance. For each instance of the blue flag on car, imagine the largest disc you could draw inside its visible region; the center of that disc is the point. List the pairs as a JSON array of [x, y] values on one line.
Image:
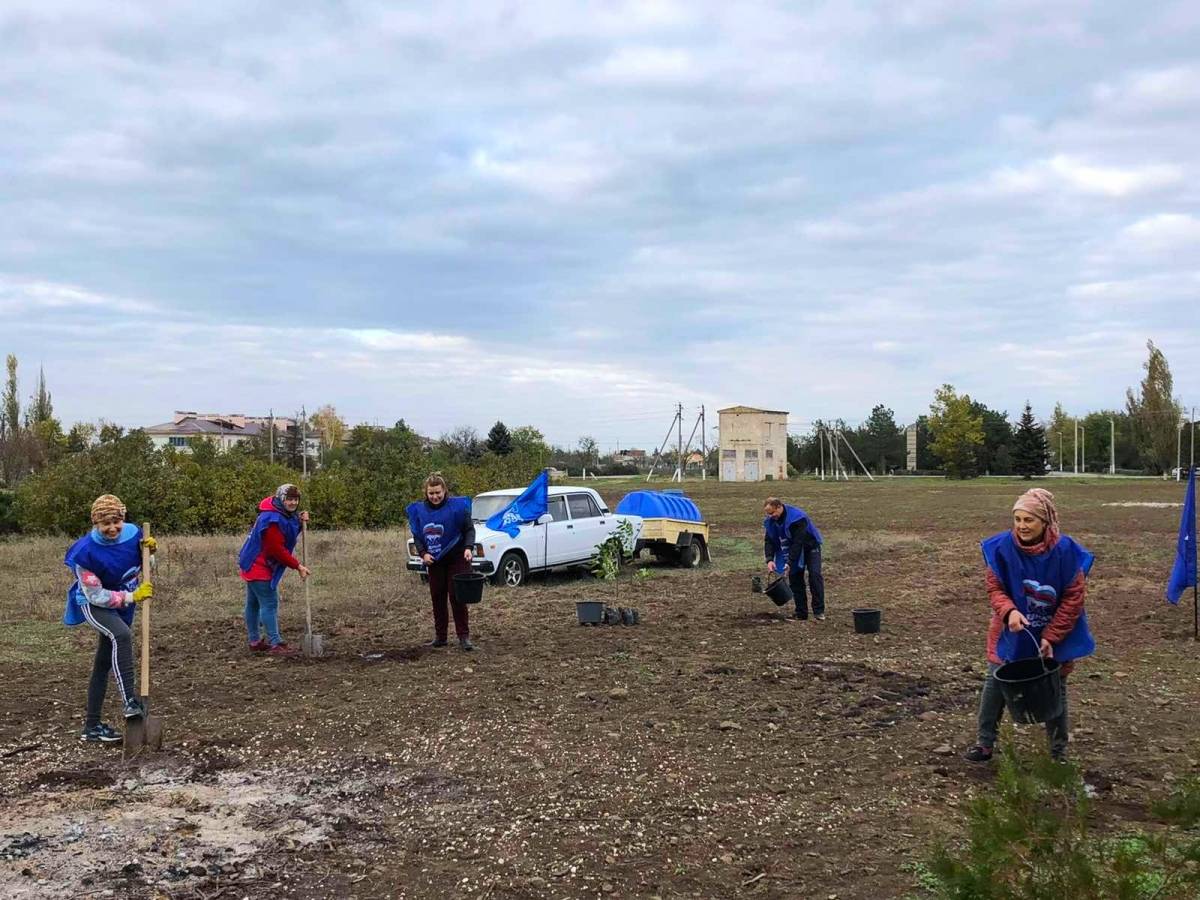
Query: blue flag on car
[[533, 502], [1184, 574]]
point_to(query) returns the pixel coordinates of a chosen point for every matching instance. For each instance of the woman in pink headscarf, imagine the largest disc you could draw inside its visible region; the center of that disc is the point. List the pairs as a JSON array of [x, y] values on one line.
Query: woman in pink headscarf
[[1036, 583]]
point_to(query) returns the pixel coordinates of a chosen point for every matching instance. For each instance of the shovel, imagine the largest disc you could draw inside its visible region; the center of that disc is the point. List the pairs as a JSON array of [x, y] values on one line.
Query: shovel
[[146, 732], [312, 644]]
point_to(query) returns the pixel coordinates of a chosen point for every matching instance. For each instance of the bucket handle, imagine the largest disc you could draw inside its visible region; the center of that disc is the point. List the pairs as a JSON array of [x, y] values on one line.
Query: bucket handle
[[1037, 644]]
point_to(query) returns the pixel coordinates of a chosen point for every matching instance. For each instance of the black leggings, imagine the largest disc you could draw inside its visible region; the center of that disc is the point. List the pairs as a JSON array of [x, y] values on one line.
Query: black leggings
[[114, 653]]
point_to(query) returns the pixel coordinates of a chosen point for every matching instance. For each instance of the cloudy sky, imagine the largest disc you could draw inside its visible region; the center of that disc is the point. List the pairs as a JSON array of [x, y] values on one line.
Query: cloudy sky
[[576, 215]]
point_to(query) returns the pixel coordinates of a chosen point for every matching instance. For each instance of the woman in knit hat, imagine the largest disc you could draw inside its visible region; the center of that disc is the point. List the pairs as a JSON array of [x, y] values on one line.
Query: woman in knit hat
[[266, 554], [107, 565], [1036, 583]]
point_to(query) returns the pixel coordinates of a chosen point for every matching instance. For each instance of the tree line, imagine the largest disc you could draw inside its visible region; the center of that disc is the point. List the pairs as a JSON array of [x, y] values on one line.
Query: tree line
[[963, 438], [363, 476]]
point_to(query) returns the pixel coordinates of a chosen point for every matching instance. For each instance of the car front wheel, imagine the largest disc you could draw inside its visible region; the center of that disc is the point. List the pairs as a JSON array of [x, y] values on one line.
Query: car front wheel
[[512, 570]]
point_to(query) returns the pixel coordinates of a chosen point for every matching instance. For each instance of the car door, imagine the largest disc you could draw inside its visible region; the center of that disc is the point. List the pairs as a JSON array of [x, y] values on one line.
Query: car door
[[558, 535], [586, 528]]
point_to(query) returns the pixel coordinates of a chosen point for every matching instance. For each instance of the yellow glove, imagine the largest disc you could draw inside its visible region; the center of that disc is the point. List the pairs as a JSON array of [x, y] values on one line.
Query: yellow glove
[[144, 591], [149, 544]]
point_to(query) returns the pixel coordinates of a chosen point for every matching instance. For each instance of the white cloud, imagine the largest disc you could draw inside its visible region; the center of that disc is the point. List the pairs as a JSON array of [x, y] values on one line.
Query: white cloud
[[1164, 233], [1174, 88], [31, 296], [1070, 173], [646, 66]]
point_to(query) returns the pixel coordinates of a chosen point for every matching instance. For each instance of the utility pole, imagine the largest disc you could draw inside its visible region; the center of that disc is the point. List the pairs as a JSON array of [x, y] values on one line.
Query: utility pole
[[1060, 453], [703, 445], [679, 453], [304, 440], [1083, 449], [1179, 452], [1112, 446], [271, 444], [1075, 449]]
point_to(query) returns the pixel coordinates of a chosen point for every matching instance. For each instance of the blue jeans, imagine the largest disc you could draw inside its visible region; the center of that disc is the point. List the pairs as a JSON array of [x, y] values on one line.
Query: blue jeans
[[262, 605]]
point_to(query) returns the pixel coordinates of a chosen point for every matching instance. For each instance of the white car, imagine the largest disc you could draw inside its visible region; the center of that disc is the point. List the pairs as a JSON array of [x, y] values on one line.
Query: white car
[[576, 521]]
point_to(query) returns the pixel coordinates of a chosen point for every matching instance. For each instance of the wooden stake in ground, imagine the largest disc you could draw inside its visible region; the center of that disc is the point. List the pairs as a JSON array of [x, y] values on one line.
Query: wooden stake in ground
[[146, 732]]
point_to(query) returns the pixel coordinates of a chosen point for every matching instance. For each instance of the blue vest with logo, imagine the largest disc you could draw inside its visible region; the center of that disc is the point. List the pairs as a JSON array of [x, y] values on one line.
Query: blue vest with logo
[[118, 566], [440, 528], [780, 533], [1035, 583], [289, 526]]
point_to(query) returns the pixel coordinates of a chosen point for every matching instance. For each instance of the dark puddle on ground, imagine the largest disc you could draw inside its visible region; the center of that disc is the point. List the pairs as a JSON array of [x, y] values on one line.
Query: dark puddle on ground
[[74, 779], [394, 654]]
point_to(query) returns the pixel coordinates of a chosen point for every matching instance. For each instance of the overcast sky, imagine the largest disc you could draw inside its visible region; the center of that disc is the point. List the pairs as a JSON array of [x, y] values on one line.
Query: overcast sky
[[576, 215]]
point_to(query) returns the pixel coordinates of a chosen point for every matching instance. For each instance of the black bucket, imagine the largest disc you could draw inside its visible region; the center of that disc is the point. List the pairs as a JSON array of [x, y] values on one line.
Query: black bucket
[[589, 612], [866, 621], [779, 592], [468, 587], [1032, 689]]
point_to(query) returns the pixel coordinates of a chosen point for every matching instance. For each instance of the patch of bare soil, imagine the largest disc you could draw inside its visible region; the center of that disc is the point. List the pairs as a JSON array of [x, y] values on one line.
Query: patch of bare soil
[[717, 749]]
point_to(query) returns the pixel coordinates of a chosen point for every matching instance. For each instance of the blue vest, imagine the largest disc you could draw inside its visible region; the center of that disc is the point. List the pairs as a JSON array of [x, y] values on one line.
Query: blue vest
[[117, 565], [252, 546], [1036, 584], [780, 533], [440, 529]]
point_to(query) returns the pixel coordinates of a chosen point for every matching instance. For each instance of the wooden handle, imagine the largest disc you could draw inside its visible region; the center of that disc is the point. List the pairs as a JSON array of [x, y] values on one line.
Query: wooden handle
[[304, 562], [145, 615]]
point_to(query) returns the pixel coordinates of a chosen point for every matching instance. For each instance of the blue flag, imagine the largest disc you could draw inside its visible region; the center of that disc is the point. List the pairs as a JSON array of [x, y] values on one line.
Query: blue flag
[[533, 502], [1184, 574]]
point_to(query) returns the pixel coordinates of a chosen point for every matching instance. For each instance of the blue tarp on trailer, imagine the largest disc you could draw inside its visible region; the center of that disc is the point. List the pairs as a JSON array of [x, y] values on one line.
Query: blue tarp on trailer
[[655, 505]]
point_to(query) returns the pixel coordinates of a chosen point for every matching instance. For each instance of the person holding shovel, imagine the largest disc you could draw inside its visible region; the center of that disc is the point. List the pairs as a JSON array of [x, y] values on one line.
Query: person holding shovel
[[1036, 584], [444, 532], [265, 556], [791, 543], [107, 565]]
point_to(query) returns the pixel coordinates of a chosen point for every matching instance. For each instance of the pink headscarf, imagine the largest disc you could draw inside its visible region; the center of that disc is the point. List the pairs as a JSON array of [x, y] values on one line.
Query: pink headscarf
[[1040, 502]]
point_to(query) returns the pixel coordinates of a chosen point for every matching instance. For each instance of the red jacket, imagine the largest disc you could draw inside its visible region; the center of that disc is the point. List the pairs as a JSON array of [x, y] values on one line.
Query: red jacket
[[272, 548]]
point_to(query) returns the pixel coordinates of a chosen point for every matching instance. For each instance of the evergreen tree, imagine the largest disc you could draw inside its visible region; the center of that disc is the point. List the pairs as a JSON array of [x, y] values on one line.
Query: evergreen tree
[[880, 440], [1030, 451], [499, 441]]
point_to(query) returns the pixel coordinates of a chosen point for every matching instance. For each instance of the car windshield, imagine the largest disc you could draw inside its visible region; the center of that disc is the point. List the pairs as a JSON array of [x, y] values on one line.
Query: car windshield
[[484, 507]]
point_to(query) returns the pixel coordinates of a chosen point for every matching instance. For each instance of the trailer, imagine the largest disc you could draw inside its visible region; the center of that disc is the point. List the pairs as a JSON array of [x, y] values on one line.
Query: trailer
[[673, 529]]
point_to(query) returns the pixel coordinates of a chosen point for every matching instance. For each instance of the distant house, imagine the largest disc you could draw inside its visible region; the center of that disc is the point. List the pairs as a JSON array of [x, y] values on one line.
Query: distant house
[[631, 457], [226, 430], [753, 444]]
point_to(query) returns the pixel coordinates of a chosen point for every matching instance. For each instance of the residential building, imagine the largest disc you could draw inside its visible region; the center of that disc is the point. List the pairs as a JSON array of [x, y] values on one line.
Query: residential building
[[226, 430], [753, 444]]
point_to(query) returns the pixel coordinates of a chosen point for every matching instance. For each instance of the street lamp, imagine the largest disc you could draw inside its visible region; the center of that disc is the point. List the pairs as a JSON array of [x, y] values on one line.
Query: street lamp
[[1113, 445], [1059, 433]]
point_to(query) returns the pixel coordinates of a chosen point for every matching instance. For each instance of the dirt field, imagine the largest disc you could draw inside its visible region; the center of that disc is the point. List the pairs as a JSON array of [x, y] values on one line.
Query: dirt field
[[715, 750]]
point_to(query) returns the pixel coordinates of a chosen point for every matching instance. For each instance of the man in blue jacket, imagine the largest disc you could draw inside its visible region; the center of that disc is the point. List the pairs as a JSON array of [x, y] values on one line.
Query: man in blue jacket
[[792, 543], [444, 532]]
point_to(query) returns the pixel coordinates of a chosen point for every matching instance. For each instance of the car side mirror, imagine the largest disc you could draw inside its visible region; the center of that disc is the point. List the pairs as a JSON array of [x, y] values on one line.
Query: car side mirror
[[545, 519]]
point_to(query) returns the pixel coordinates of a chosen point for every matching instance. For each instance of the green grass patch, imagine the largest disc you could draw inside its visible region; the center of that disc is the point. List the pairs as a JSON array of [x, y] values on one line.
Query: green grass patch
[[737, 554], [36, 642]]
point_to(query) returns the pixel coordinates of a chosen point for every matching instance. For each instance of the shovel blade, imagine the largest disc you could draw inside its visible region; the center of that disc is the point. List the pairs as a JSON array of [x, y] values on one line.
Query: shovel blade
[[154, 733], [135, 737], [313, 645]]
